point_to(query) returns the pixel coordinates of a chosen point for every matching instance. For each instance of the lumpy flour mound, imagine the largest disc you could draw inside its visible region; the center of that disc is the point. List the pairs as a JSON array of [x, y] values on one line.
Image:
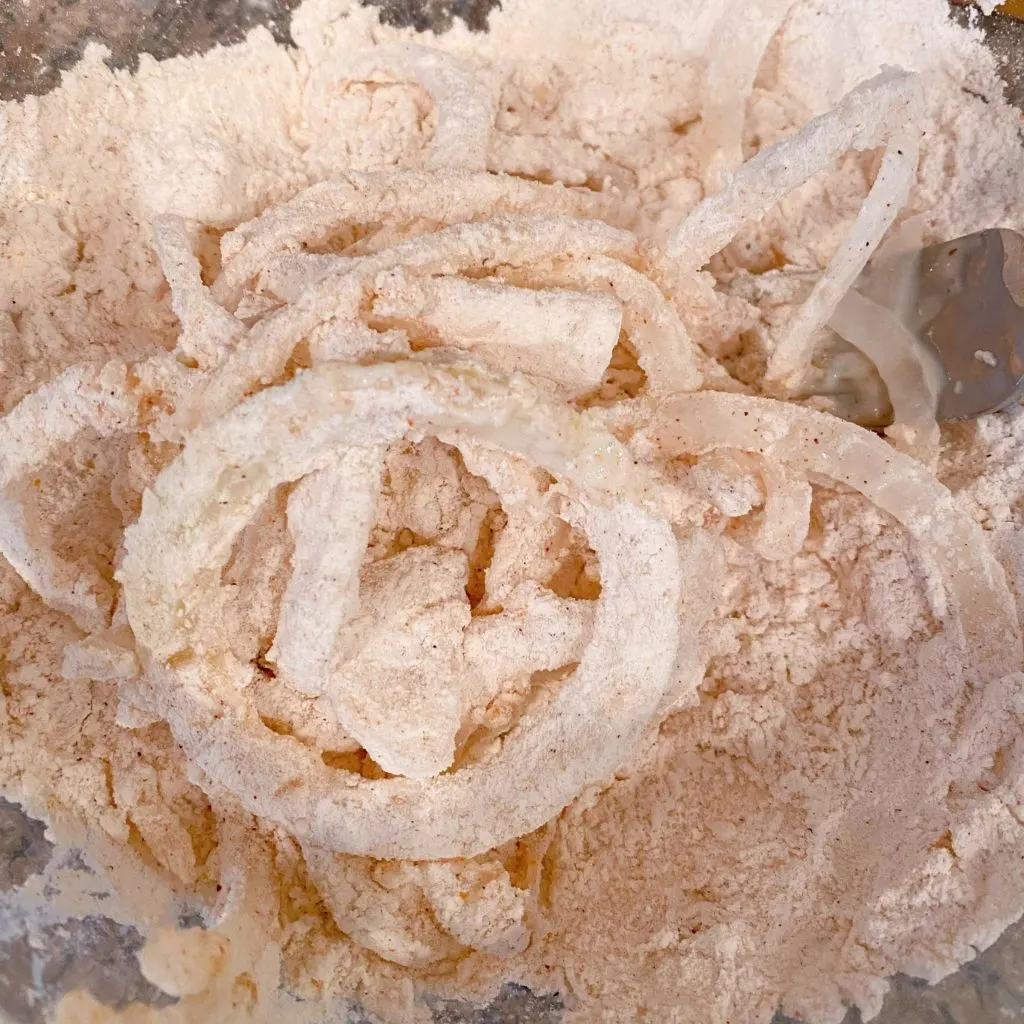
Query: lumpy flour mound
[[351, 605]]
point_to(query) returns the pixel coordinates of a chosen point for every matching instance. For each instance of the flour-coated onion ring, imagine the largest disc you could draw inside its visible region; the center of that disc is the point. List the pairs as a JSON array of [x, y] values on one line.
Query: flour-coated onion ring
[[200, 502], [442, 197], [738, 43], [208, 331], [863, 119], [791, 358], [812, 442], [515, 241]]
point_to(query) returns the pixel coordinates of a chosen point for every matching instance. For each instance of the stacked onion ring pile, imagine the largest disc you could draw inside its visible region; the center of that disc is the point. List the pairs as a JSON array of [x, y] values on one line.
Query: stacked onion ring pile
[[522, 335]]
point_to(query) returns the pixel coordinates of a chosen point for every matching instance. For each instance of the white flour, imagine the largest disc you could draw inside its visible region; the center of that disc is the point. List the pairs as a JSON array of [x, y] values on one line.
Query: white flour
[[834, 805]]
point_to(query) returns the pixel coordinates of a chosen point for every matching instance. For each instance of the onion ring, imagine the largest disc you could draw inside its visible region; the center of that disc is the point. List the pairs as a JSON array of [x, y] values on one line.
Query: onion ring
[[208, 331], [200, 502], [442, 197], [983, 612], [861, 120], [514, 241], [738, 43], [888, 195]]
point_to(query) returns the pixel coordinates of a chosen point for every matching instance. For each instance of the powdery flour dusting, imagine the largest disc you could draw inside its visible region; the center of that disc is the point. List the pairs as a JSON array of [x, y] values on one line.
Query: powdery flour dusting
[[418, 569]]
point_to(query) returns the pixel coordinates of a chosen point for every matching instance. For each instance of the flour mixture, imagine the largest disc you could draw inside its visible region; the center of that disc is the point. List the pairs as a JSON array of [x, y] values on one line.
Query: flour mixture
[[436, 549]]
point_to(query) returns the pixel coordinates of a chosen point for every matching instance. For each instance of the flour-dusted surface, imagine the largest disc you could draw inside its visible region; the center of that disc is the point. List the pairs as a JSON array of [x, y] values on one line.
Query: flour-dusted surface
[[898, 620]]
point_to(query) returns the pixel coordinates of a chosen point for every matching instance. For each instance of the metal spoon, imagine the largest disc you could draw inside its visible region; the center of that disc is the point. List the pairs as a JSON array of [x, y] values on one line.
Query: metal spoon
[[963, 301], [970, 309]]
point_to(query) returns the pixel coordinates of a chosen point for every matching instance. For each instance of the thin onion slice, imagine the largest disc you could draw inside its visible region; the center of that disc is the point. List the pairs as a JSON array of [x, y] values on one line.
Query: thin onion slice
[[702, 562], [779, 529], [737, 47], [864, 118], [984, 616], [792, 355], [208, 331], [204, 498], [910, 373]]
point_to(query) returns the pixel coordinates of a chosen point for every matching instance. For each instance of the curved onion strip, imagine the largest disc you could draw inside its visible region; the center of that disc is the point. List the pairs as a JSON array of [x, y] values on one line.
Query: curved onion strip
[[791, 358], [738, 43], [465, 106], [200, 502], [863, 119], [661, 340], [813, 442], [910, 373], [442, 197], [779, 529], [208, 331], [700, 559], [330, 515], [514, 241], [287, 275]]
